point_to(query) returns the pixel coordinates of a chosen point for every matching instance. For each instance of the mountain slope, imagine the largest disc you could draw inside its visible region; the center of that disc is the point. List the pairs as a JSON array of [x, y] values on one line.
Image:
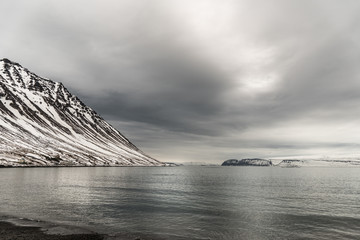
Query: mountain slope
[[43, 124]]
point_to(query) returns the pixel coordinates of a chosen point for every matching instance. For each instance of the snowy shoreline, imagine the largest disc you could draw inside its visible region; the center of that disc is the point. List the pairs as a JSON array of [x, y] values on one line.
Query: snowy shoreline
[[75, 166], [289, 163]]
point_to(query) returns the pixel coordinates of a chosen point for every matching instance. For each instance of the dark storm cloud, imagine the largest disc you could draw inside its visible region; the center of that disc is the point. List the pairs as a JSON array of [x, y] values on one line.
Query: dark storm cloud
[[182, 95], [201, 77]]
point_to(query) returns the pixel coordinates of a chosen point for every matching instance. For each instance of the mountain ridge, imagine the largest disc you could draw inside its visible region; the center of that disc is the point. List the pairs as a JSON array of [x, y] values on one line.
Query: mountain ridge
[[43, 124]]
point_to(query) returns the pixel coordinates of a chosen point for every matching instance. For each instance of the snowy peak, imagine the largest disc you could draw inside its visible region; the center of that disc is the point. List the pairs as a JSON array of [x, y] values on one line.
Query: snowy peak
[[16, 75], [40, 119]]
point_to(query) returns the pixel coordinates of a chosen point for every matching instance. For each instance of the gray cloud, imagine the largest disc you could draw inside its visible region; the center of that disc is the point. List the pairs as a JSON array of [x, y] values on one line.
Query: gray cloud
[[202, 79]]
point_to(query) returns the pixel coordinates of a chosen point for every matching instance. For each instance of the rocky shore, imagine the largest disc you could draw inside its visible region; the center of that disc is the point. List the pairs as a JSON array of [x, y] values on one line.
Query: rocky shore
[[9, 231]]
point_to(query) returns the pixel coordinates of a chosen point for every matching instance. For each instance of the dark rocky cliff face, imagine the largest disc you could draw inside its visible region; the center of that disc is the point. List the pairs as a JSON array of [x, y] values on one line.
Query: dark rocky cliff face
[[247, 162], [42, 123]]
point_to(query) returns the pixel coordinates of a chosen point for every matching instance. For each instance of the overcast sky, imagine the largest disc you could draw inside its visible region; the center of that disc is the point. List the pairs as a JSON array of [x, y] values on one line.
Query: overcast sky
[[203, 80]]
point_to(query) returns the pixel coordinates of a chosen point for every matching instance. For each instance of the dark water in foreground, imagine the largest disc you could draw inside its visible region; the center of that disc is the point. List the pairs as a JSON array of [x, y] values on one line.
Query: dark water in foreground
[[191, 202]]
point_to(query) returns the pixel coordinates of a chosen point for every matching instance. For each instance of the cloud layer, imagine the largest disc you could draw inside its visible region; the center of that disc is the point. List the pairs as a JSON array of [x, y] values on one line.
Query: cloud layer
[[202, 80]]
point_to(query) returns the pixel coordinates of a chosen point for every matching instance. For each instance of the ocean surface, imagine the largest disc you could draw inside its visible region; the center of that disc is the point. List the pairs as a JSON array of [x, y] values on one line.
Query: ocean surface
[[190, 202]]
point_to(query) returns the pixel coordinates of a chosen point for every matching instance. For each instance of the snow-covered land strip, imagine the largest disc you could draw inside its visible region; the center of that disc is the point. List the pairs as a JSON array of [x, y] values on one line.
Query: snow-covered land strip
[[293, 162]]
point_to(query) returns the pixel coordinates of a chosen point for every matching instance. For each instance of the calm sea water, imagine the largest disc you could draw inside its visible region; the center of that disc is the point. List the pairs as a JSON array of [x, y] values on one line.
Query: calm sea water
[[191, 202]]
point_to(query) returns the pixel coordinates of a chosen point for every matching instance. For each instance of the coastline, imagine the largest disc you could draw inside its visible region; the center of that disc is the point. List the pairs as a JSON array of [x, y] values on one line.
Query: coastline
[[15, 228], [80, 166], [10, 231]]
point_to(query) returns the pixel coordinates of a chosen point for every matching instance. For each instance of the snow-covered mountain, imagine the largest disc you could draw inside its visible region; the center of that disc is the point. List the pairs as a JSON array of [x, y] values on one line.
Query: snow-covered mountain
[[43, 124]]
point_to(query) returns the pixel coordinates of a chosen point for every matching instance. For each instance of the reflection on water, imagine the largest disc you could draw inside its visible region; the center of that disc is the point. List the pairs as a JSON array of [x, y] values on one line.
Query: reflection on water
[[191, 202]]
